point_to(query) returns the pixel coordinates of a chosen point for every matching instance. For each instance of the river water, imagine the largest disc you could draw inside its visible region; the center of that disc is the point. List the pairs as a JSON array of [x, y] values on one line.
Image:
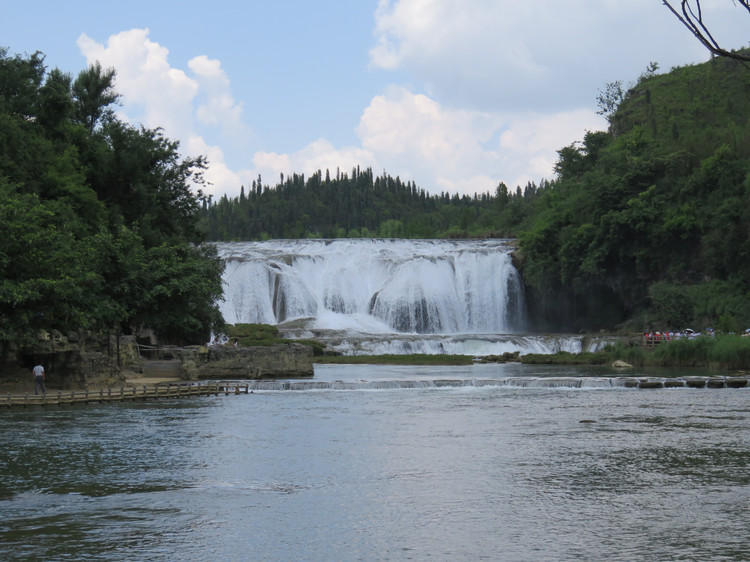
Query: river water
[[462, 472]]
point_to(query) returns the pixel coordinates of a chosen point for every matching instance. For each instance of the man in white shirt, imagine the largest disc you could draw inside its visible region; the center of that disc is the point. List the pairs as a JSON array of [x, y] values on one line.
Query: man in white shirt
[[39, 379]]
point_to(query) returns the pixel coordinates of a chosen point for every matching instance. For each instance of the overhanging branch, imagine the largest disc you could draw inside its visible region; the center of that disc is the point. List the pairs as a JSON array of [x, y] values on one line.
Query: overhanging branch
[[690, 13]]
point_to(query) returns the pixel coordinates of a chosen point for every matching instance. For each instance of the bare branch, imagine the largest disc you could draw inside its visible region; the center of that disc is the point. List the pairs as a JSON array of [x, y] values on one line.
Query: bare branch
[[690, 15]]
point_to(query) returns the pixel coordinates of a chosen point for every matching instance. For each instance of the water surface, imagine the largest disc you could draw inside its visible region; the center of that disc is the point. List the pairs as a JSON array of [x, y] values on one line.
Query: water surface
[[459, 473]]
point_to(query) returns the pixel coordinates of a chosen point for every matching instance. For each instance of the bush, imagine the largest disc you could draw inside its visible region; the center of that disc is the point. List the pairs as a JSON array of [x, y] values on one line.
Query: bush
[[726, 352], [733, 352], [672, 302]]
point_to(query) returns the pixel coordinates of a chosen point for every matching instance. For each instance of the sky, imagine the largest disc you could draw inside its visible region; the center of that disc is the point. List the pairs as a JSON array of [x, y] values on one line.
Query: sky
[[455, 95]]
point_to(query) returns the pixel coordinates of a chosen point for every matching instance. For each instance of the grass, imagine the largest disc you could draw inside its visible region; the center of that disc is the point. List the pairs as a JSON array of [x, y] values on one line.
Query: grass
[[724, 352], [253, 335], [565, 358]]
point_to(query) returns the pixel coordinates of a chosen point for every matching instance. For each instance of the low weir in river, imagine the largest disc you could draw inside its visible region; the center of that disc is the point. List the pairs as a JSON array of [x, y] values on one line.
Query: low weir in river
[[510, 382]]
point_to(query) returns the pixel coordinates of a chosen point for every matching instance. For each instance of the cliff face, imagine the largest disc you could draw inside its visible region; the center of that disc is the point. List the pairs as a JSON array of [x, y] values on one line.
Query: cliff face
[[75, 362], [71, 362]]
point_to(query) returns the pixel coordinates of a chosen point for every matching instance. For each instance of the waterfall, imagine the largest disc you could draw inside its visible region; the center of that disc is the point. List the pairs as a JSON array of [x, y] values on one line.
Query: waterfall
[[370, 286]]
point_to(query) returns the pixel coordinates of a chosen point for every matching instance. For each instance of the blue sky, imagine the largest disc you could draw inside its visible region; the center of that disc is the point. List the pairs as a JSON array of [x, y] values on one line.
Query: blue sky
[[456, 95]]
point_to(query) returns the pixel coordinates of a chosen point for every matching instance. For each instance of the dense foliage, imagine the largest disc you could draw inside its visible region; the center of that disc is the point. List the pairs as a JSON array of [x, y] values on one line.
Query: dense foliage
[[650, 222], [354, 206], [98, 223]]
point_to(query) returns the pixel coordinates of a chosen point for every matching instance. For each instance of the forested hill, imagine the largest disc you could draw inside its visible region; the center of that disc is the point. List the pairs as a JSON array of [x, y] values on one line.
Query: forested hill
[[650, 222], [356, 205]]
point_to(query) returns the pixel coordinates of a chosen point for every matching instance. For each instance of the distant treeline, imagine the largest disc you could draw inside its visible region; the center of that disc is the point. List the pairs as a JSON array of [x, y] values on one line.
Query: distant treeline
[[362, 205]]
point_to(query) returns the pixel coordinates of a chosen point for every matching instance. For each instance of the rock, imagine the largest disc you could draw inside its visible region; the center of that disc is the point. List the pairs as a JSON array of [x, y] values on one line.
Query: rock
[[229, 362], [651, 383], [89, 362], [621, 365]]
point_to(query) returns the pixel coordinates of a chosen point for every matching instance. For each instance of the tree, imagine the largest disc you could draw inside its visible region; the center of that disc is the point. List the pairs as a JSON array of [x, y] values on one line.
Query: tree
[[610, 99], [93, 92], [55, 104], [45, 276], [19, 80], [690, 14], [98, 219]]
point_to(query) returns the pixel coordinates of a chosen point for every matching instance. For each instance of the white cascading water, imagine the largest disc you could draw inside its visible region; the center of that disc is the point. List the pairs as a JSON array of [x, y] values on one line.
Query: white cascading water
[[375, 296], [405, 286]]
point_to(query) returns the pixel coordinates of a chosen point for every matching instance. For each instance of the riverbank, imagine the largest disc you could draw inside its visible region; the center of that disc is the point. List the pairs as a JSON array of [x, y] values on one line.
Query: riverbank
[[78, 363], [722, 352]]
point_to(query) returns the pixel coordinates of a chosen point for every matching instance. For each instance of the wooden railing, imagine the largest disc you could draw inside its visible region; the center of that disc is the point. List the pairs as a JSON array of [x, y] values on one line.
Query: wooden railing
[[124, 393]]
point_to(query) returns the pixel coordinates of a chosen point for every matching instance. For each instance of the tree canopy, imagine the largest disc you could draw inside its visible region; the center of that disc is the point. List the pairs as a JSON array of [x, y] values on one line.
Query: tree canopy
[[98, 219], [343, 205]]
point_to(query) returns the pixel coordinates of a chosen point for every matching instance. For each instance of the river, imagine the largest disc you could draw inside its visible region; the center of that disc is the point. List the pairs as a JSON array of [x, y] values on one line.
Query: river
[[402, 472]]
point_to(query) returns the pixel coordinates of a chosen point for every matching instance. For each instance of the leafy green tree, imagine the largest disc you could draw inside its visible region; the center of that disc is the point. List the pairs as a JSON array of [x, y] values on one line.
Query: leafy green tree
[[45, 276], [99, 220], [609, 100], [93, 93], [145, 180], [55, 105], [20, 79]]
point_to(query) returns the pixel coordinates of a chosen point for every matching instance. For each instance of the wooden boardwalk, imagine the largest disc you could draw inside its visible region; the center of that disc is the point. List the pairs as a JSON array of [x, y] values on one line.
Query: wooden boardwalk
[[124, 393]]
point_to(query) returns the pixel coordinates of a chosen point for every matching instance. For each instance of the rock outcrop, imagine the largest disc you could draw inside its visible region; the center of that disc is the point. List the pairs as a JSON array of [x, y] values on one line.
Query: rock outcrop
[[229, 362], [74, 362]]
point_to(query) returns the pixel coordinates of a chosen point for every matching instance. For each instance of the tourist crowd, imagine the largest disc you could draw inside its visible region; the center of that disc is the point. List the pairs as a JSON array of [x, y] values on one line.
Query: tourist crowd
[[654, 338]]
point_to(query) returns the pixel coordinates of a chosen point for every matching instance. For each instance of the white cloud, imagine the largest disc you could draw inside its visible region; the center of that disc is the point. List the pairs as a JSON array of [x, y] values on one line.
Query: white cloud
[[219, 177], [530, 142], [466, 151], [156, 94], [503, 55], [318, 155], [219, 107]]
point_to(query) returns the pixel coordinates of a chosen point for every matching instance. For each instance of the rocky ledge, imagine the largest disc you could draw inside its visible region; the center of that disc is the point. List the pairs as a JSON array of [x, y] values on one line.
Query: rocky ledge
[[229, 362], [74, 362]]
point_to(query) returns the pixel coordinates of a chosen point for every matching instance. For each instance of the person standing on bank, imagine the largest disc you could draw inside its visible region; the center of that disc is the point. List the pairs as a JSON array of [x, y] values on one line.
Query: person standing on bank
[[39, 379]]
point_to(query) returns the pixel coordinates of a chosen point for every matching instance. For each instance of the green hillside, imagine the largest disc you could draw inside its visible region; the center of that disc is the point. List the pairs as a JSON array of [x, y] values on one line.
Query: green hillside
[[649, 223], [692, 108]]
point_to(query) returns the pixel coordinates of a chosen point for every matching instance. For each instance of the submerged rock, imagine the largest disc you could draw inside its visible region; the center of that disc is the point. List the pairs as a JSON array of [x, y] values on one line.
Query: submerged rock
[[621, 365]]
